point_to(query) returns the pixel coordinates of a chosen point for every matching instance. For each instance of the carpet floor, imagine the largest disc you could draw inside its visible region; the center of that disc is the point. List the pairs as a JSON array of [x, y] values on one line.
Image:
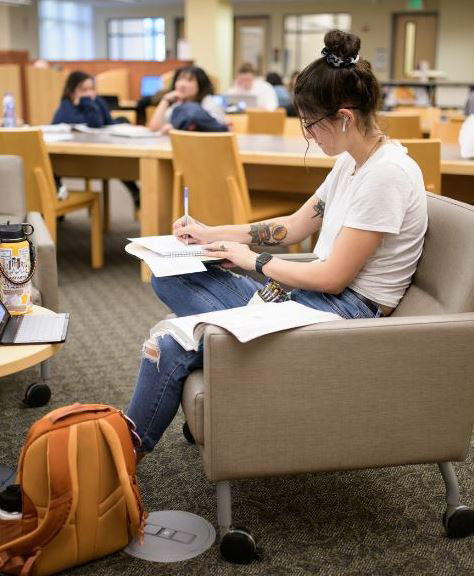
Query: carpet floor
[[383, 522]]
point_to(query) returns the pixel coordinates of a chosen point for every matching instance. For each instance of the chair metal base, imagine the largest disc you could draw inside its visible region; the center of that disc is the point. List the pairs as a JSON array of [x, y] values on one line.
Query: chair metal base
[[238, 545]]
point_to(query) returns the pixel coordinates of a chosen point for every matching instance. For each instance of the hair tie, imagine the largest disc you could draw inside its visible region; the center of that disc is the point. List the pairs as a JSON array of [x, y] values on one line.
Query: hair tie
[[338, 62]]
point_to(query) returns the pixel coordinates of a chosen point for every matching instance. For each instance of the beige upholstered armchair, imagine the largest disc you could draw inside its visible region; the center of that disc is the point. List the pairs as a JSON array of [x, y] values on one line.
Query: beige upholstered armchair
[[13, 208], [348, 394]]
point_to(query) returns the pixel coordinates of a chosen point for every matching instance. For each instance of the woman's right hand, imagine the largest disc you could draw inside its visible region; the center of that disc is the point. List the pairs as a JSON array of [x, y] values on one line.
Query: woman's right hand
[[194, 232], [171, 97]]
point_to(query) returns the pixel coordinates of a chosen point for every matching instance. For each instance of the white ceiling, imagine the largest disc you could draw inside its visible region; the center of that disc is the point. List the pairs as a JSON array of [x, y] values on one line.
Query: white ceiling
[[106, 3]]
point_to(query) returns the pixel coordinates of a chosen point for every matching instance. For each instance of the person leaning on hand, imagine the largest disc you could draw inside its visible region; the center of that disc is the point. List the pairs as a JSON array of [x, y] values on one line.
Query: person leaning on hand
[[80, 104], [190, 84], [370, 212]]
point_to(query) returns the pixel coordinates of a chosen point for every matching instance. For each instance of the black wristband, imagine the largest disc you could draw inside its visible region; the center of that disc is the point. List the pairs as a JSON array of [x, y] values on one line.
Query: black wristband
[[262, 259]]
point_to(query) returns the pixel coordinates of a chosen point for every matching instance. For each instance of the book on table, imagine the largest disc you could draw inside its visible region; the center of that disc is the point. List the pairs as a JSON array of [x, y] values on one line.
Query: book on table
[[245, 323]]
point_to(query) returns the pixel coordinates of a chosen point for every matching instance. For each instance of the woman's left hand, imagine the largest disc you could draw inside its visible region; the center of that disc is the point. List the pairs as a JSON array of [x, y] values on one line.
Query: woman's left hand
[[237, 254]]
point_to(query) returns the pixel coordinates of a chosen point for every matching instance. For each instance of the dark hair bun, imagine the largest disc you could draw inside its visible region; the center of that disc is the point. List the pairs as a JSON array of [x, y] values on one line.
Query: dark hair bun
[[342, 44]]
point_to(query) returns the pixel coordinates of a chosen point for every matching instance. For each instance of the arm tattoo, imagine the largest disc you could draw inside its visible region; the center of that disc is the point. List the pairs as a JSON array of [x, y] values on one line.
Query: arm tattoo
[[268, 234], [319, 209]]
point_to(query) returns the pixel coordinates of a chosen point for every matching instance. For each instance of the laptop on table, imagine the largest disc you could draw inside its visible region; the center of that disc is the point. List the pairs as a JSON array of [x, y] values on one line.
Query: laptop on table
[[37, 329]]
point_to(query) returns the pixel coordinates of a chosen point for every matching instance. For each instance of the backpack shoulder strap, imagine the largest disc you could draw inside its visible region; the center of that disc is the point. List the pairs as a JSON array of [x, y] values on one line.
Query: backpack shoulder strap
[[125, 471], [19, 556]]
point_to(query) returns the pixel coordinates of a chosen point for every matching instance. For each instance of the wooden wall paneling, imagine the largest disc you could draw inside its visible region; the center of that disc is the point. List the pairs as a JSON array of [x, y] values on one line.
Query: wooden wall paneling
[[10, 81], [44, 88], [114, 82], [137, 69]]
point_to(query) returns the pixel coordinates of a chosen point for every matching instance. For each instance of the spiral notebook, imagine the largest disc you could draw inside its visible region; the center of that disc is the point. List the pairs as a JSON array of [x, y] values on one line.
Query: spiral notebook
[[170, 247], [166, 256]]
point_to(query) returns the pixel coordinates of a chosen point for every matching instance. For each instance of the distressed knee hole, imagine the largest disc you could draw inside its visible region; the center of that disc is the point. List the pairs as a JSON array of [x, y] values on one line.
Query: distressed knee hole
[[151, 350]]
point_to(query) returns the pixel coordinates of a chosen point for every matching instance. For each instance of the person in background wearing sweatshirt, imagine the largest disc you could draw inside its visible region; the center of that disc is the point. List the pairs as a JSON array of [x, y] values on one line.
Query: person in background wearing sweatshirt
[[81, 105]]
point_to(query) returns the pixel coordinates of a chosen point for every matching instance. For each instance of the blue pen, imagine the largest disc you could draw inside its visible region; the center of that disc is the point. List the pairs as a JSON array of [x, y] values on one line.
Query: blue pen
[[186, 207]]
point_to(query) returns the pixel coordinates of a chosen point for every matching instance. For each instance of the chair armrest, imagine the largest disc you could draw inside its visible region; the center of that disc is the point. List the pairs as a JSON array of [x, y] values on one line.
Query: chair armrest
[[339, 395], [300, 257], [46, 275]]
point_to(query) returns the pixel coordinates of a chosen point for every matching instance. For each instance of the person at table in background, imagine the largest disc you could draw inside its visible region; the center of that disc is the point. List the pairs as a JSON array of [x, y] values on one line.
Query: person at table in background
[[371, 212], [283, 96], [469, 107], [246, 83], [80, 104], [190, 84], [292, 82], [285, 100]]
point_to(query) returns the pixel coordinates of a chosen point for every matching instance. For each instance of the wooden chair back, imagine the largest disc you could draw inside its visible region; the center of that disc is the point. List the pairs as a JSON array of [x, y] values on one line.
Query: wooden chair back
[[446, 131], [428, 115], [209, 164], [130, 115], [400, 125], [427, 154], [404, 94], [293, 128], [149, 111], [10, 81], [29, 144], [266, 121], [44, 88], [114, 82], [237, 123]]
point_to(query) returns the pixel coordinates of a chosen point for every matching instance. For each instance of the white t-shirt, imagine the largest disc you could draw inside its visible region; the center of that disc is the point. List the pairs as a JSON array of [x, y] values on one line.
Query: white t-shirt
[[209, 105], [264, 92], [386, 194]]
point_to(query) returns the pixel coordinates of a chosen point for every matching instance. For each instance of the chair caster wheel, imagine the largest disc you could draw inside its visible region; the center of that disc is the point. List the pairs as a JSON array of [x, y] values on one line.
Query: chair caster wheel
[[238, 547], [37, 394], [460, 524], [187, 434]]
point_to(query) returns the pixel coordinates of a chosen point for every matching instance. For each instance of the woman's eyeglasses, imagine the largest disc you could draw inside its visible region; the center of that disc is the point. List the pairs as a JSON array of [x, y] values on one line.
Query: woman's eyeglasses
[[309, 125]]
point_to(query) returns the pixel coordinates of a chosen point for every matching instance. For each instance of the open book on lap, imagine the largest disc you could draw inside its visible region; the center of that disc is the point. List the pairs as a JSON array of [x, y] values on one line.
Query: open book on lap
[[245, 322]]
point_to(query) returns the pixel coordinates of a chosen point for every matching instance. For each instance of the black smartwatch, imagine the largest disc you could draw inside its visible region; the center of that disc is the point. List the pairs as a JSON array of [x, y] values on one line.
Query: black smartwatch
[[262, 259]]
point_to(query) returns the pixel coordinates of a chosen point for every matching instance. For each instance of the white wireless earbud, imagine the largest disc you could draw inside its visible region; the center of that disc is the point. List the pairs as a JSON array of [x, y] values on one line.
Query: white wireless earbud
[[344, 122]]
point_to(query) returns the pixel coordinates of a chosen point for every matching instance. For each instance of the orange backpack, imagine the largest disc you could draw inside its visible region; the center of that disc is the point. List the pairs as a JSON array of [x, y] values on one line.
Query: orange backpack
[[79, 492]]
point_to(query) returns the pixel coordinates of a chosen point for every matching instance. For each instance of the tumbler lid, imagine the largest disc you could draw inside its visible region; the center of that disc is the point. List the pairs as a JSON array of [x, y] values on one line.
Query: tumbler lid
[[15, 232]]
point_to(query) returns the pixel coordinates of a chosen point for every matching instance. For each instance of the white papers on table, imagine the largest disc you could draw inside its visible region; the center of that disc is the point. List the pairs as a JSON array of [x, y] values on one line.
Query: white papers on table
[[55, 128], [165, 265], [56, 136], [85, 129], [130, 131]]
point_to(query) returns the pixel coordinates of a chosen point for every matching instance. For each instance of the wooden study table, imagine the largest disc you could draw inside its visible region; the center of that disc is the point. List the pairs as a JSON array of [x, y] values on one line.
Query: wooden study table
[[271, 163], [19, 357]]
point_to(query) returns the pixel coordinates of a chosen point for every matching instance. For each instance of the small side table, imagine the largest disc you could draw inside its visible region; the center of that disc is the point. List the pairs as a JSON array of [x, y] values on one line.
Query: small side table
[[16, 358]]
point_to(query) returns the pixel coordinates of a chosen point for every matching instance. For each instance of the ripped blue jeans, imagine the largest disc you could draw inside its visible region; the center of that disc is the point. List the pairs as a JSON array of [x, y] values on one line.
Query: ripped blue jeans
[[158, 389]]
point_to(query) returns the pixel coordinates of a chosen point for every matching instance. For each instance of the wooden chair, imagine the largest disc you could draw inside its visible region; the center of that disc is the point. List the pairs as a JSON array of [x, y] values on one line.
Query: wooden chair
[[428, 115], [293, 128], [44, 88], [130, 115], [209, 164], [237, 123], [399, 125], [266, 121], [41, 190], [427, 154], [149, 111], [446, 131], [10, 81], [115, 82]]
